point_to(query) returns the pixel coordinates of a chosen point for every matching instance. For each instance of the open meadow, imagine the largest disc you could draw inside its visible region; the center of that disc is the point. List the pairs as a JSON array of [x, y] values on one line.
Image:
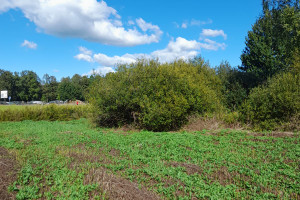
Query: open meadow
[[72, 160]]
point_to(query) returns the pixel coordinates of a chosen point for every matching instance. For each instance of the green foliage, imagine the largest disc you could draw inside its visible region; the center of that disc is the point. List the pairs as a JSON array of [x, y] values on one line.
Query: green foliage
[[70, 160], [8, 82], [155, 96], [24, 86], [29, 86], [233, 91], [50, 112], [276, 102], [271, 43], [73, 88], [49, 88]]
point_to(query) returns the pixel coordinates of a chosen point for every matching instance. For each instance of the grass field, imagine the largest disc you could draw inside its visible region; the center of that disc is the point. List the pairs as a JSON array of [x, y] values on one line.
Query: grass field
[[71, 160]]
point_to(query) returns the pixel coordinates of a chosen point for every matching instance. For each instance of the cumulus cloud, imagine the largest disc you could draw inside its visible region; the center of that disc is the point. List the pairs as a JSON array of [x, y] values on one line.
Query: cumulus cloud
[[100, 70], [148, 26], [91, 20], [6, 5], [212, 45], [85, 51], [85, 57], [28, 44], [178, 49], [112, 61], [213, 33], [85, 54]]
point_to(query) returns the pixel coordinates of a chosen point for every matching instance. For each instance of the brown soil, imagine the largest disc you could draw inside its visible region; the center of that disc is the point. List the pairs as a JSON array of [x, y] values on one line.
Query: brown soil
[[8, 173], [114, 152], [190, 168], [116, 187], [224, 177], [110, 186]]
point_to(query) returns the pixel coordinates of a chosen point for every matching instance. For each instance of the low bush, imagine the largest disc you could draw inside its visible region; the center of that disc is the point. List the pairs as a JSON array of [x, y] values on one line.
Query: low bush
[[274, 104], [50, 112], [154, 96]]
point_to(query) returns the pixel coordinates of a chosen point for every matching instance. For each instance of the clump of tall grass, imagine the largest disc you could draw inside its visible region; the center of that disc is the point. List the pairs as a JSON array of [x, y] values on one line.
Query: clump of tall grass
[[50, 112]]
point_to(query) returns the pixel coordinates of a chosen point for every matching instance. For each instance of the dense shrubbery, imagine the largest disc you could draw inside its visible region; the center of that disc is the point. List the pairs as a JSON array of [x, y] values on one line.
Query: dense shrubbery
[[50, 112], [155, 96], [274, 104], [233, 87]]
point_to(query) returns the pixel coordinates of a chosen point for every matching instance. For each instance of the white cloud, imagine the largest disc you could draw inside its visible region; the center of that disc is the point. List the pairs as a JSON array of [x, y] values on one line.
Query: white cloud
[[85, 57], [85, 54], [184, 25], [5, 6], [213, 33], [28, 44], [192, 22], [212, 45], [100, 70], [148, 26], [85, 51], [179, 49], [130, 22], [91, 20], [112, 61], [195, 22]]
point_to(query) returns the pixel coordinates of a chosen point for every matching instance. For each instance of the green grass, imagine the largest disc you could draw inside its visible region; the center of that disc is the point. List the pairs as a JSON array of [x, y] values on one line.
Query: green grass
[[59, 160]]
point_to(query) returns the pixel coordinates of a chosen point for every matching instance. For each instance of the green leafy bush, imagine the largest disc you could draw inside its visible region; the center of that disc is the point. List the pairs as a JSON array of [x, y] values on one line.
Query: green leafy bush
[[233, 87], [154, 96], [275, 103]]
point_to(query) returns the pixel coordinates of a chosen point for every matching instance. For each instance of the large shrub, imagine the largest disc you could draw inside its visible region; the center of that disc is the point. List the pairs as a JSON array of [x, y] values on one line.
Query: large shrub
[[275, 103], [154, 96]]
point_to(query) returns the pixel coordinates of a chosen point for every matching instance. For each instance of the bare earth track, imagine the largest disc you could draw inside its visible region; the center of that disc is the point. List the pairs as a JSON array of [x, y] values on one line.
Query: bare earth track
[[8, 173]]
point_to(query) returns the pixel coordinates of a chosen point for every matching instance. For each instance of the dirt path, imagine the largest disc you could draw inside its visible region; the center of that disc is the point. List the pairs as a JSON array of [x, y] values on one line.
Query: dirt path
[[8, 173]]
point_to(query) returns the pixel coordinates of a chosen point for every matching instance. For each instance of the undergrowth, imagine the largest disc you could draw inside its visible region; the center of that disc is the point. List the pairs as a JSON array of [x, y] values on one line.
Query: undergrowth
[[50, 112]]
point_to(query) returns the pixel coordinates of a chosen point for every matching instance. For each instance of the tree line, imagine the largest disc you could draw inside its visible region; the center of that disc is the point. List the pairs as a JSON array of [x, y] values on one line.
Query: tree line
[[28, 86], [264, 91]]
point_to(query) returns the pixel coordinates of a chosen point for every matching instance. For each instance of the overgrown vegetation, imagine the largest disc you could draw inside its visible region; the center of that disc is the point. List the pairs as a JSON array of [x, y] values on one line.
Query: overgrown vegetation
[[69, 160], [275, 104], [155, 96], [50, 112]]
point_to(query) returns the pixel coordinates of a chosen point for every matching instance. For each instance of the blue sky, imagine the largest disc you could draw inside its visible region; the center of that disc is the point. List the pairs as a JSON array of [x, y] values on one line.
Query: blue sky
[[67, 37]]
